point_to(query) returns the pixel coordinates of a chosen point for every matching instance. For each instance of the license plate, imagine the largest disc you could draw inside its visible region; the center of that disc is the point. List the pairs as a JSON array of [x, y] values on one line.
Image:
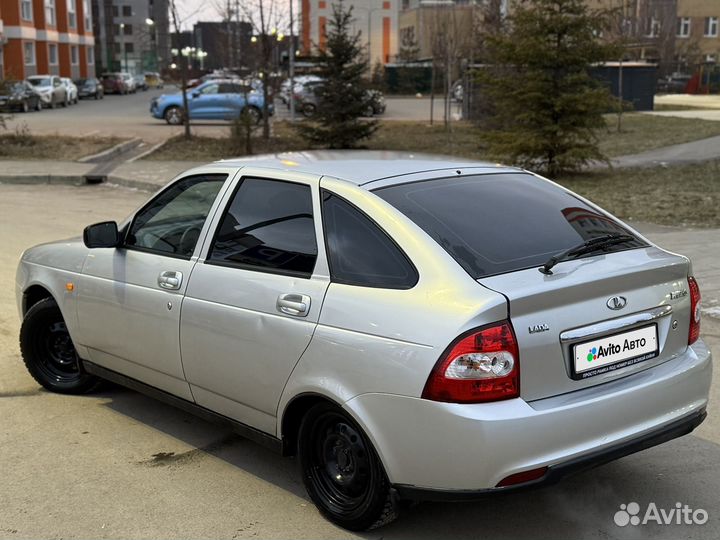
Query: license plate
[[614, 352]]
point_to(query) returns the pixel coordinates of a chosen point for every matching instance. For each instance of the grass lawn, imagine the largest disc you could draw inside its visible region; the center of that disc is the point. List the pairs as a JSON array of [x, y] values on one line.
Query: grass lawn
[[640, 133], [681, 195], [13, 146]]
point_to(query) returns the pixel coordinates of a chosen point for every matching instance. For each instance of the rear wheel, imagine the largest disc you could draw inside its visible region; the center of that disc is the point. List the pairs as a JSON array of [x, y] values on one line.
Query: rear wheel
[[253, 113], [308, 110], [342, 472], [174, 116], [49, 353], [25, 106]]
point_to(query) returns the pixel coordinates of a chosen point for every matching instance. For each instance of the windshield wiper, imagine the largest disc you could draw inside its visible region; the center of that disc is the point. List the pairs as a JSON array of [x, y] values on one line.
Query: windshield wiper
[[586, 247]]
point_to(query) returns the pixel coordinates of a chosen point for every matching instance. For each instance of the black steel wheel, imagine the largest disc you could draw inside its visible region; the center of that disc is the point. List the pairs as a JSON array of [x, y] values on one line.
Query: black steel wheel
[[49, 353], [342, 472]]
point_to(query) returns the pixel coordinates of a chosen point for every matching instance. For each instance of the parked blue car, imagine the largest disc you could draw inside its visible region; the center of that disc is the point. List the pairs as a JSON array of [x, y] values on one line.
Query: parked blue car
[[213, 100]]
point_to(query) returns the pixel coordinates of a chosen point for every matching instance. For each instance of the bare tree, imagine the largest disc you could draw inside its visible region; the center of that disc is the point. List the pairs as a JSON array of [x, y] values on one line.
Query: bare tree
[[265, 16], [177, 25]]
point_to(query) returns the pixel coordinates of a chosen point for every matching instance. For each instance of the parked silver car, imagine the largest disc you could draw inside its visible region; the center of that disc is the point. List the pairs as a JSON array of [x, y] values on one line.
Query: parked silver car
[[51, 89], [411, 328]]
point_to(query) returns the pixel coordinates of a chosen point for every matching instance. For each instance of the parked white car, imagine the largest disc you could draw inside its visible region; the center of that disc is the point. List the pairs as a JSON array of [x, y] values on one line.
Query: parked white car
[[130, 83], [51, 89], [410, 327], [72, 90]]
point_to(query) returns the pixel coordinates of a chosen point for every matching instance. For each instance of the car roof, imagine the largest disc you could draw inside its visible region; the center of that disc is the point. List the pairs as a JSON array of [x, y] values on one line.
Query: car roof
[[362, 167]]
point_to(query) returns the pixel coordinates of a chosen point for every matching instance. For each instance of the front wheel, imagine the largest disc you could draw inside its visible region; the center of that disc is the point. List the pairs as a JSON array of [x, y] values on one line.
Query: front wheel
[[174, 116], [308, 110], [342, 472], [49, 353]]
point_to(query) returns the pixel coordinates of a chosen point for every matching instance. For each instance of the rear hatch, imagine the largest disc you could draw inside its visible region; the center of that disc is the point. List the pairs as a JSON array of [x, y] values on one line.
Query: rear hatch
[[596, 317]]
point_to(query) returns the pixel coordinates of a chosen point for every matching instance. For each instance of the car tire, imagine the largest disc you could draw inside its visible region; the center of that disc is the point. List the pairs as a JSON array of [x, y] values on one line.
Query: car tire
[[174, 116], [38, 105], [66, 103], [308, 110], [369, 111], [342, 472], [52, 105], [254, 112], [25, 107], [48, 351]]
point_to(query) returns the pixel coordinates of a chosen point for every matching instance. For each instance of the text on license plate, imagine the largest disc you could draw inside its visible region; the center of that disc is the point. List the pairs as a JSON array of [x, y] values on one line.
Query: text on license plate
[[615, 352]]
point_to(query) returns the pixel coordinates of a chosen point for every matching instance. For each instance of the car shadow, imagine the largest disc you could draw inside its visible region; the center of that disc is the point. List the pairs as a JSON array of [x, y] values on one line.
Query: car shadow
[[684, 470]]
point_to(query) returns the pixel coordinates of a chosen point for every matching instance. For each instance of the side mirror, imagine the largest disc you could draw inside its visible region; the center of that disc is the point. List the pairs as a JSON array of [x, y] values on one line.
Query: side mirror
[[194, 94], [101, 235]]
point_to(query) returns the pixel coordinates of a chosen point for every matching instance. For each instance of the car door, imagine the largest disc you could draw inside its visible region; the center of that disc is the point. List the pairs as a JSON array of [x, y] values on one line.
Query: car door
[[130, 297], [205, 102], [254, 298]]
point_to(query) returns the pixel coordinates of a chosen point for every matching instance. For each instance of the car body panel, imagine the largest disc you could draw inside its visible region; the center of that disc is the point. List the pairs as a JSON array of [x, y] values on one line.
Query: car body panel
[[53, 93], [233, 311], [448, 446]]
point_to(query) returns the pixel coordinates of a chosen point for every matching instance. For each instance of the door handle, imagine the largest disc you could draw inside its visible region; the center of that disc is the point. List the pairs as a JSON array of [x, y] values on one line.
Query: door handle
[[293, 304], [169, 280]]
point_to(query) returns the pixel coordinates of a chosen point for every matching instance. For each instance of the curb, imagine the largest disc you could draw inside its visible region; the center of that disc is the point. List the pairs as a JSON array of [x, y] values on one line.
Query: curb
[[147, 152], [107, 155], [60, 180]]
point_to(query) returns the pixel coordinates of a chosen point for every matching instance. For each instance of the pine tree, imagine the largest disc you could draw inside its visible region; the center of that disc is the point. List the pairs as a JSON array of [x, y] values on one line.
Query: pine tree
[[342, 97], [543, 107]]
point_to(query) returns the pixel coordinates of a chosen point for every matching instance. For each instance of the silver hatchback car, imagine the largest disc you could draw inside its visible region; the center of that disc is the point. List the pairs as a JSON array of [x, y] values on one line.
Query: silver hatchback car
[[411, 328]]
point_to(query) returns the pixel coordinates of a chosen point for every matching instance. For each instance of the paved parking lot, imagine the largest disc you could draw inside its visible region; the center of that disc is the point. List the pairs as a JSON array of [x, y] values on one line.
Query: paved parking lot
[[119, 465], [129, 116]]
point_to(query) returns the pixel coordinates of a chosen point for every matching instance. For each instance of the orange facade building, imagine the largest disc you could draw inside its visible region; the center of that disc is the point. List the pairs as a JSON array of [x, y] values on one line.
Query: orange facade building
[[46, 37]]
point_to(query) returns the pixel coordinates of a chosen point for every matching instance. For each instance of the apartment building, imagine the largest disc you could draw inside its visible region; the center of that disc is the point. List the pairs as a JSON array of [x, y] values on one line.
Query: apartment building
[[46, 36], [376, 20], [697, 35], [132, 35]]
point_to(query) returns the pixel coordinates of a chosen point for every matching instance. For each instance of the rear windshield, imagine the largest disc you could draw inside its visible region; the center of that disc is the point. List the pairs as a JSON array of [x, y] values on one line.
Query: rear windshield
[[497, 223]]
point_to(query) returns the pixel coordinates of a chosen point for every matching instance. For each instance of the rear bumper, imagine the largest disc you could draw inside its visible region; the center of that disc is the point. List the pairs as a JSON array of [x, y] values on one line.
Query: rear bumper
[[429, 447], [555, 473]]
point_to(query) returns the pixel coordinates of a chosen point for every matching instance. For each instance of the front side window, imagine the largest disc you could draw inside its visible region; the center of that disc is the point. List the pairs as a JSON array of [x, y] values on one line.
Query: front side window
[[268, 226], [26, 10], [361, 253], [209, 89], [29, 53], [50, 12], [171, 223]]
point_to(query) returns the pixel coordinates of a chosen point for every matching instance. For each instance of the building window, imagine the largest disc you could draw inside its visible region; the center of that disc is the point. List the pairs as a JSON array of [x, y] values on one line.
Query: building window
[[711, 26], [87, 11], [129, 48], [128, 30], [50, 12], [116, 11], [26, 10], [29, 53], [653, 27], [52, 54], [683, 27], [90, 55], [72, 13], [127, 11], [74, 55]]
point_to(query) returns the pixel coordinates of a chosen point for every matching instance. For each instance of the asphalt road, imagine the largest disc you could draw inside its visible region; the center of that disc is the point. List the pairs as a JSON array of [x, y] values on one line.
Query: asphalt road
[[119, 465], [129, 116]]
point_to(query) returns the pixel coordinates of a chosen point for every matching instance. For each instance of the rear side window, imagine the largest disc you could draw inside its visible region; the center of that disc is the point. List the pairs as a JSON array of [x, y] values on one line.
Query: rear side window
[[497, 223], [359, 252], [268, 226]]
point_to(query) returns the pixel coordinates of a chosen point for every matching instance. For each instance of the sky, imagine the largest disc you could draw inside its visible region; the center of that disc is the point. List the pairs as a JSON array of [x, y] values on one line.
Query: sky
[[192, 11]]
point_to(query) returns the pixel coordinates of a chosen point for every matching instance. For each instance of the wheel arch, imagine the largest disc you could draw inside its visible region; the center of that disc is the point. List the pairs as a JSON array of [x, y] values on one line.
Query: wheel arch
[[292, 416], [34, 294]]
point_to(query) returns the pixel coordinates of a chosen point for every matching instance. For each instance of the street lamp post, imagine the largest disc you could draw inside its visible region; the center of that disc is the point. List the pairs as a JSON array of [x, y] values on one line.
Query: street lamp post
[[123, 50], [151, 23]]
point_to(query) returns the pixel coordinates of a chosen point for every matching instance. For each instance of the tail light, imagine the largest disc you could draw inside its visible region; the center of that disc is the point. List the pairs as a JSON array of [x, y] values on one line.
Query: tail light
[[479, 366], [694, 332]]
